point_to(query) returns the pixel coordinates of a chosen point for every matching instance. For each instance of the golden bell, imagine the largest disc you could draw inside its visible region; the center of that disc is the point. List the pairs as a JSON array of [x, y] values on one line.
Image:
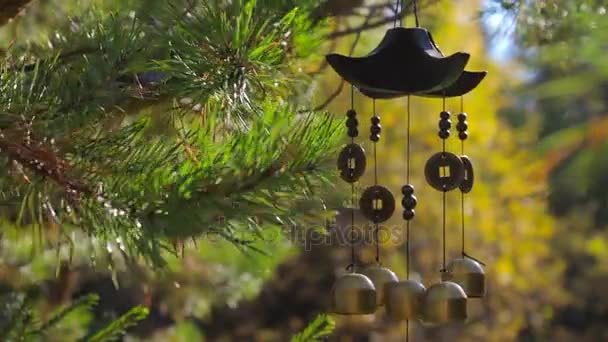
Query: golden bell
[[469, 274], [380, 276], [445, 302], [353, 294], [404, 300]]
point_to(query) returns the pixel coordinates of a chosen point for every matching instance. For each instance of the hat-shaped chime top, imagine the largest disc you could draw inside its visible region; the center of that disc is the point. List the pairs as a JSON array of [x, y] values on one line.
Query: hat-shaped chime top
[[467, 81], [407, 61]]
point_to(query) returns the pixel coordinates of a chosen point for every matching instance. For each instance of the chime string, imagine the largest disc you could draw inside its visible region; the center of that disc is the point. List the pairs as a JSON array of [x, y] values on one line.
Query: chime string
[[444, 200], [376, 183], [407, 224], [407, 177], [462, 193], [416, 13], [352, 210], [401, 13], [398, 17]]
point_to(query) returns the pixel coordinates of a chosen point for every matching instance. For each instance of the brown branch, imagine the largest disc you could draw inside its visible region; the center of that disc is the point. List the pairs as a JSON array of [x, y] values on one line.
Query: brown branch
[[42, 162], [337, 92], [10, 8], [378, 23]]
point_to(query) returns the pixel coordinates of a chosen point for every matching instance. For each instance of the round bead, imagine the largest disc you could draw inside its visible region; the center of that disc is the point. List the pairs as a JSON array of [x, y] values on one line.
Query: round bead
[[374, 137], [409, 202], [409, 214], [462, 126], [352, 163], [444, 134], [407, 189], [377, 204], [351, 113], [463, 135], [445, 115], [352, 123], [445, 124], [376, 129], [444, 171], [462, 117], [469, 175], [375, 120], [353, 132]]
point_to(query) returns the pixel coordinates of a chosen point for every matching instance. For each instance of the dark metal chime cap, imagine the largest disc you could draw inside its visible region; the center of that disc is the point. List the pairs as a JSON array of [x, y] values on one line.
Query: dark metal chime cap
[[445, 302], [467, 273], [353, 294], [467, 81], [406, 61], [404, 300]]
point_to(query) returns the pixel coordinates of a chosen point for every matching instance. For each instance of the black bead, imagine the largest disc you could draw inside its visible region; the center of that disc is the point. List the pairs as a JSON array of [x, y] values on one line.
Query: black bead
[[409, 202], [444, 115], [353, 132], [445, 124], [409, 214], [407, 189], [351, 113], [376, 129], [352, 122], [463, 135], [462, 117], [374, 137], [462, 126], [444, 134], [375, 120]]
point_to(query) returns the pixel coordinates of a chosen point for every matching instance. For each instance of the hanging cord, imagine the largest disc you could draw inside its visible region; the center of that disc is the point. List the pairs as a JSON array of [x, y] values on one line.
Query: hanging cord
[[353, 198], [416, 14], [407, 224], [444, 199], [397, 12], [407, 180], [376, 183], [462, 192], [464, 254]]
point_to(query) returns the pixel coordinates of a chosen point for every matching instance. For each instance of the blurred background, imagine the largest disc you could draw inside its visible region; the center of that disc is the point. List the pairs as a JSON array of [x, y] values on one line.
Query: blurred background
[[538, 137]]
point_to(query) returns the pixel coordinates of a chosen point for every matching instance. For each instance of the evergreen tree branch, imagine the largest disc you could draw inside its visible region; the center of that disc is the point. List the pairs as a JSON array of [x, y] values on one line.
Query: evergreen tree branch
[[118, 327]]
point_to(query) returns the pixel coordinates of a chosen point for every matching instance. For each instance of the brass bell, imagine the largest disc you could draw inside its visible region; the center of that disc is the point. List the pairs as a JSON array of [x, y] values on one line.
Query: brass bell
[[380, 276], [469, 274], [353, 294], [445, 302], [404, 300]]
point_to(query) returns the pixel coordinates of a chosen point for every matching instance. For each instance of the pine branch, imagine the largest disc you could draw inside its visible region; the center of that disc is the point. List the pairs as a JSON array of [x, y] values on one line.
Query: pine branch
[[86, 302], [322, 326], [169, 176], [118, 327]]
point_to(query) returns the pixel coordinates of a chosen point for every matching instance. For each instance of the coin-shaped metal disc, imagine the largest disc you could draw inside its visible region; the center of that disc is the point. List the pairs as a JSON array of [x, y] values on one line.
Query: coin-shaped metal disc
[[469, 176], [352, 163], [444, 171], [377, 204]]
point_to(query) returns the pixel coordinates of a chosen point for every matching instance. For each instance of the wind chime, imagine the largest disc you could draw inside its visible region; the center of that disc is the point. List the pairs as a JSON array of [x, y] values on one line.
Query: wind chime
[[407, 63]]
